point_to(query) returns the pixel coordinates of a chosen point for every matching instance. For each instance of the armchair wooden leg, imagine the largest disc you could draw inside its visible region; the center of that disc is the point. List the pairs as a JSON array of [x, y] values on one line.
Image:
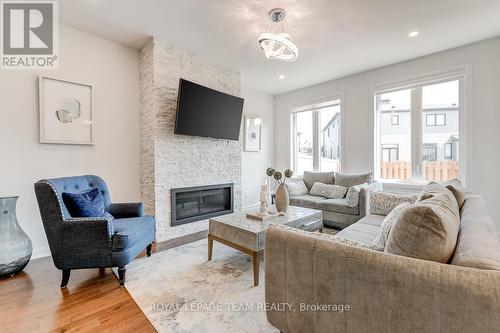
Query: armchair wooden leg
[[121, 275], [148, 249], [65, 277]]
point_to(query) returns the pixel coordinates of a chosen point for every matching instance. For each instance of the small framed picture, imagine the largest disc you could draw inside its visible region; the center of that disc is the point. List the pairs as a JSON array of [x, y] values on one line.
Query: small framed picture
[[253, 129], [65, 112]]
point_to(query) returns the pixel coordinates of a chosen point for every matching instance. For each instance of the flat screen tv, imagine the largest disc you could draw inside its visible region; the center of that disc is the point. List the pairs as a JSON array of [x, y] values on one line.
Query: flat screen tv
[[202, 111]]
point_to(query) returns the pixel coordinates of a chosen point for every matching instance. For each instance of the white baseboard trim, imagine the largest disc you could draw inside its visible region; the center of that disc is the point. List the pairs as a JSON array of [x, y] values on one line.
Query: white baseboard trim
[[40, 252]]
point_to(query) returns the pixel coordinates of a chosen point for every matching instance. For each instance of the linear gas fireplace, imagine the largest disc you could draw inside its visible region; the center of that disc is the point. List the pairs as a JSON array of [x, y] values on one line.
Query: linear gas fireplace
[[191, 204]]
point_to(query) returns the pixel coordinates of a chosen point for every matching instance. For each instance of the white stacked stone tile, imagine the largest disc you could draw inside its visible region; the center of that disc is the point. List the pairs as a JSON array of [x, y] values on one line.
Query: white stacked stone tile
[[171, 161]]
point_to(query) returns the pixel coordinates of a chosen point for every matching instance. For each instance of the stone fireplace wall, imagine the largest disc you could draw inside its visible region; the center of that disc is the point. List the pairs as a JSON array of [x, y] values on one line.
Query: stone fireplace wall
[[171, 161]]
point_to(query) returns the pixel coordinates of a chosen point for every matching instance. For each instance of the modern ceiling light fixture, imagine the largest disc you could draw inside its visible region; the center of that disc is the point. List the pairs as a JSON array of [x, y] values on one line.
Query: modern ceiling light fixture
[[278, 46]]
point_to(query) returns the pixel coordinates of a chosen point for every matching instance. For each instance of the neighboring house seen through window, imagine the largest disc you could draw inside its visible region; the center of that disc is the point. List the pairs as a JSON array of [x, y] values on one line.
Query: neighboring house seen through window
[[424, 144], [316, 137]]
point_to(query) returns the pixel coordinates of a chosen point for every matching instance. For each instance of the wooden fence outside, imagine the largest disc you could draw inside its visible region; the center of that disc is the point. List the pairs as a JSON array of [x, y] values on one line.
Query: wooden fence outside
[[434, 170], [441, 170]]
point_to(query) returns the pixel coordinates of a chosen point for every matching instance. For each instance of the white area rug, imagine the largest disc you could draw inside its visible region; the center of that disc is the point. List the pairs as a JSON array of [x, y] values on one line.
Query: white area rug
[[180, 291]]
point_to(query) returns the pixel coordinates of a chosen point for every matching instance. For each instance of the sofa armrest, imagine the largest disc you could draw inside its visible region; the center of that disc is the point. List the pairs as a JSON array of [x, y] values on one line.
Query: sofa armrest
[[364, 198], [125, 210], [384, 292]]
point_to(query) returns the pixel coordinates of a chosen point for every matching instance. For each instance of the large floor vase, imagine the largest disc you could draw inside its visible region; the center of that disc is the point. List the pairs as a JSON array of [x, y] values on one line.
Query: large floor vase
[[15, 245], [282, 199]]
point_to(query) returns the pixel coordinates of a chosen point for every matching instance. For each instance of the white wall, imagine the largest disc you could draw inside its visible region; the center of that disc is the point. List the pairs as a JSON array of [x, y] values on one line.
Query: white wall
[[113, 70], [254, 164], [483, 112]]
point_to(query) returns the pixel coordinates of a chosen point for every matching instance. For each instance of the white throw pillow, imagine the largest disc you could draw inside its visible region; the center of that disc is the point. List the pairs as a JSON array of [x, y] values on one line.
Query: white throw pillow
[[296, 187], [381, 240], [328, 191], [382, 203]]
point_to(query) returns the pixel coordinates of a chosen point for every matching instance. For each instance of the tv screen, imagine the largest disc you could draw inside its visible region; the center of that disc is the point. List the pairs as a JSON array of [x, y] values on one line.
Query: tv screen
[[202, 111]]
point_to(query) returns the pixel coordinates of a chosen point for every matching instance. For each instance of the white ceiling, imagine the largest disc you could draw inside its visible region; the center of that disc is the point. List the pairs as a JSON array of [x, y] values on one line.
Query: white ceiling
[[335, 37]]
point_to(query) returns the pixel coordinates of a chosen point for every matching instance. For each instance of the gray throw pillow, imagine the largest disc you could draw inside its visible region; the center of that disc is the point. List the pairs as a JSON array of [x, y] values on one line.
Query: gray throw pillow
[[382, 203], [328, 191], [296, 187], [322, 177], [347, 180]]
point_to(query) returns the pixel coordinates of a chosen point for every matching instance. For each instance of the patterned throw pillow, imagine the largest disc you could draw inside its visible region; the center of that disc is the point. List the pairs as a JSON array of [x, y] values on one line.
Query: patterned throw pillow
[[296, 187], [328, 191], [352, 197], [382, 203], [381, 240]]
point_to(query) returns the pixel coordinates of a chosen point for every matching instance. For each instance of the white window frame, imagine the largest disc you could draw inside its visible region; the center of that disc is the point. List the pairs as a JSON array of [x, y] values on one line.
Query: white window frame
[[394, 116], [461, 74], [316, 105]]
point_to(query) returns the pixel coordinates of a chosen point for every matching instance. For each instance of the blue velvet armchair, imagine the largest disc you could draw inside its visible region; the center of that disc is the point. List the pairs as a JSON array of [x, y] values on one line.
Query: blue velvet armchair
[[93, 242]]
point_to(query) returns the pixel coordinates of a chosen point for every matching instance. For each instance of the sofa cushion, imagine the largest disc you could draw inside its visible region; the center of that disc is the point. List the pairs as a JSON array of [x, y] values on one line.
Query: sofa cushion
[[375, 220], [307, 201], [323, 236], [337, 205], [385, 228], [87, 203], [478, 245], [328, 191], [312, 177], [348, 180], [129, 231], [382, 203], [455, 186], [360, 232], [296, 187], [428, 229]]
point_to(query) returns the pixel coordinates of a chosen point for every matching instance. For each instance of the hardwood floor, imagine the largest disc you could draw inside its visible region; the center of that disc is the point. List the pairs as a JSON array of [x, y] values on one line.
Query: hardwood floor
[[32, 301], [93, 301]]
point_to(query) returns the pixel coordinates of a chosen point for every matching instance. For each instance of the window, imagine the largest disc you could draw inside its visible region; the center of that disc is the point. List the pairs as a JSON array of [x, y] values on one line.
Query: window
[[316, 137], [429, 152], [390, 153], [435, 119], [395, 119], [424, 145], [448, 151]]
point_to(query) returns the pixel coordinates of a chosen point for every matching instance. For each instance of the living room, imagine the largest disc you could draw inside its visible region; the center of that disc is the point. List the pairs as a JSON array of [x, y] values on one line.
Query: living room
[[250, 166]]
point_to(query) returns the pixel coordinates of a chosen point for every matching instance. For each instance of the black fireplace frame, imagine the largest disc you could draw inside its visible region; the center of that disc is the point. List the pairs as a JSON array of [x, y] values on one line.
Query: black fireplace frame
[[173, 198]]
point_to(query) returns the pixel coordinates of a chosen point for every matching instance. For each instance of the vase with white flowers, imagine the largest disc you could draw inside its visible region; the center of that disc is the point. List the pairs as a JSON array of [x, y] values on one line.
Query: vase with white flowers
[[282, 197]]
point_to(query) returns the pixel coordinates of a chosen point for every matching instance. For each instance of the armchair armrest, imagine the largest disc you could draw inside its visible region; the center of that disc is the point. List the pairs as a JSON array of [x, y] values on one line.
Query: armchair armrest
[[89, 227], [83, 242], [125, 210]]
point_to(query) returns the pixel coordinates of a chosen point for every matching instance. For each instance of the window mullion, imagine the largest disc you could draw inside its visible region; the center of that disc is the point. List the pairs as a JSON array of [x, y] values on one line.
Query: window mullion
[[416, 132], [316, 140]]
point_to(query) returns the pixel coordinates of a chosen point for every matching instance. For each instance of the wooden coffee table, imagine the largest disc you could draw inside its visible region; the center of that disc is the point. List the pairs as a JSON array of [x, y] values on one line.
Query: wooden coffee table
[[247, 235]]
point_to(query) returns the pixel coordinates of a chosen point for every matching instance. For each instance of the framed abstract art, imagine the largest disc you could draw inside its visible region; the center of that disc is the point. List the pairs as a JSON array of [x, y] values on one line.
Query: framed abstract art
[[65, 112]]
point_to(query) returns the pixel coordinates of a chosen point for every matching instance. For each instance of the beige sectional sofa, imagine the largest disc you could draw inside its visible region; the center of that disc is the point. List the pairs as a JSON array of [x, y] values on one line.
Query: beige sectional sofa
[[382, 292], [336, 213]]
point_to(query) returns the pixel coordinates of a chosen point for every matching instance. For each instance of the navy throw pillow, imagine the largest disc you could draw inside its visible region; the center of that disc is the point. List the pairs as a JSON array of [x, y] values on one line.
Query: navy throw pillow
[[85, 204]]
